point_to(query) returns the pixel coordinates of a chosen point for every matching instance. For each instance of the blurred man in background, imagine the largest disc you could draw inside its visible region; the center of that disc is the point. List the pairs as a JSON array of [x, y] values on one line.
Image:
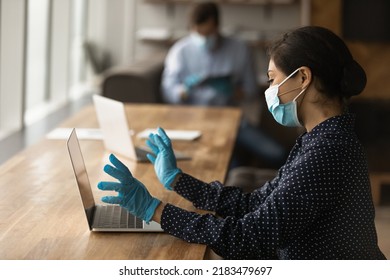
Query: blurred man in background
[[210, 69]]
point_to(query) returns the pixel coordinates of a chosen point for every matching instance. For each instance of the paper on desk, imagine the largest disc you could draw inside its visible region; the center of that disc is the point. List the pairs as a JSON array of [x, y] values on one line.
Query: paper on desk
[[186, 135], [82, 133]]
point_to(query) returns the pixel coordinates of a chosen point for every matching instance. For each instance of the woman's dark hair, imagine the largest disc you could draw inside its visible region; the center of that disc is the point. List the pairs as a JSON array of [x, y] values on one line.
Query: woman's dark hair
[[203, 12], [327, 56]]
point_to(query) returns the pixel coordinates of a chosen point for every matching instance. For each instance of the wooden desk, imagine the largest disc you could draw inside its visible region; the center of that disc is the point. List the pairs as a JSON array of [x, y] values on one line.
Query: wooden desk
[[41, 216]]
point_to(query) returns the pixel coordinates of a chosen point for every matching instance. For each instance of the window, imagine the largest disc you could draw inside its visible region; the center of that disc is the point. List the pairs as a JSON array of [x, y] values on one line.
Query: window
[[12, 45], [56, 63], [42, 58]]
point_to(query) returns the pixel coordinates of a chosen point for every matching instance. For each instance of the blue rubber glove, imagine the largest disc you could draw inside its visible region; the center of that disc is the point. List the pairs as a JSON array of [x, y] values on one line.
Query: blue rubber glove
[[192, 81], [164, 160], [132, 194]]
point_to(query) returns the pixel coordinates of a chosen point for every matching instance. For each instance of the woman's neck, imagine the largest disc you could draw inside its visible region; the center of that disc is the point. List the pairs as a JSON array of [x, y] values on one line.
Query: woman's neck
[[315, 113]]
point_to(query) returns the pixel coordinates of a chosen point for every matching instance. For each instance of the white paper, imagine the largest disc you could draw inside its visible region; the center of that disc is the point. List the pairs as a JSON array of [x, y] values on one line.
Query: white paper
[[186, 135], [82, 133]]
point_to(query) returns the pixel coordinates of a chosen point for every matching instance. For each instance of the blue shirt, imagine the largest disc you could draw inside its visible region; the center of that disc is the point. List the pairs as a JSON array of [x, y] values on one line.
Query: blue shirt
[[231, 59], [319, 206]]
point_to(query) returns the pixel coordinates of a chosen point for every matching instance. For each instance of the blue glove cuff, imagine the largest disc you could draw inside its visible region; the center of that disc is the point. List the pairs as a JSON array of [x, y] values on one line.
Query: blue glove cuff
[[171, 178], [151, 209]]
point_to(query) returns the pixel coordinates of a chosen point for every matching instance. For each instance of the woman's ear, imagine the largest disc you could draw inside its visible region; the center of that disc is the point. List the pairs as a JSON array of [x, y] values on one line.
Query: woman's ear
[[306, 76]]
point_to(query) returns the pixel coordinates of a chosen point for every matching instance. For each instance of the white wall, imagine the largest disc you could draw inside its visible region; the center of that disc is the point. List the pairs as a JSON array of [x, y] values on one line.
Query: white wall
[[111, 28], [258, 21], [37, 49], [59, 60], [11, 66]]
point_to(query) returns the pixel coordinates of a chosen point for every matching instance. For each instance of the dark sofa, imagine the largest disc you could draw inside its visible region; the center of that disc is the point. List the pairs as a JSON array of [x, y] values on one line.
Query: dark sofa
[[136, 83]]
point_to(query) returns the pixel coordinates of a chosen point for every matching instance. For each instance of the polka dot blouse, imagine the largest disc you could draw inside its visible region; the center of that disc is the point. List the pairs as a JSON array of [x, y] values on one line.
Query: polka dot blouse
[[319, 206]]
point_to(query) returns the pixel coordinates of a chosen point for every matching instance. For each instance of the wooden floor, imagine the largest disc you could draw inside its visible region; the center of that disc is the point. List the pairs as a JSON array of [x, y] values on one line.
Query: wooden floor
[[20, 140]]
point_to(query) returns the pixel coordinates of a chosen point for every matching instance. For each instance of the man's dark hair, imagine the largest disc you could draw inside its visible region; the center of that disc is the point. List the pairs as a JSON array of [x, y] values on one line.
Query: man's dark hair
[[203, 12]]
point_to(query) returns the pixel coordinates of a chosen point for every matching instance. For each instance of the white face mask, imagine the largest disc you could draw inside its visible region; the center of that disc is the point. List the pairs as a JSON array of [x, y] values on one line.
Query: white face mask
[[206, 42], [285, 114]]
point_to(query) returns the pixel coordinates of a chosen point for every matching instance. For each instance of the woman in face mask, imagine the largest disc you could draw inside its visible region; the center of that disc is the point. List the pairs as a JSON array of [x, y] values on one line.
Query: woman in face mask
[[319, 205], [311, 78]]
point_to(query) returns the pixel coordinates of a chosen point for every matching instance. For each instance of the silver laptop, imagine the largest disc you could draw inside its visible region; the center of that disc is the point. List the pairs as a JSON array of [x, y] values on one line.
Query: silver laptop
[[115, 130], [102, 217]]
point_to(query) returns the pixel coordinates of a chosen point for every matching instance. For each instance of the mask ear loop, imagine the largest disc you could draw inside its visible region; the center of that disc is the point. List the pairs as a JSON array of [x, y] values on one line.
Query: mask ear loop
[[288, 77], [281, 94], [302, 91]]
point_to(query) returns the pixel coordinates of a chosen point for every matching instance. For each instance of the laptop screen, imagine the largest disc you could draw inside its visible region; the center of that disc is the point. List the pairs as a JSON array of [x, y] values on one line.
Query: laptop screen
[[112, 120], [81, 176]]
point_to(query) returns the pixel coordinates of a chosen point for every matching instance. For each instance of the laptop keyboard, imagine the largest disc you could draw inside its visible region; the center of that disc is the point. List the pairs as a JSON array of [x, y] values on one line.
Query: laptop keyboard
[[114, 216]]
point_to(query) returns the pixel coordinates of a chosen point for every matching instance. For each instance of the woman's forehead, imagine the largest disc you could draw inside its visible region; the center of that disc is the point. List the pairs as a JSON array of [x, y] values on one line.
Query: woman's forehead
[[271, 67]]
